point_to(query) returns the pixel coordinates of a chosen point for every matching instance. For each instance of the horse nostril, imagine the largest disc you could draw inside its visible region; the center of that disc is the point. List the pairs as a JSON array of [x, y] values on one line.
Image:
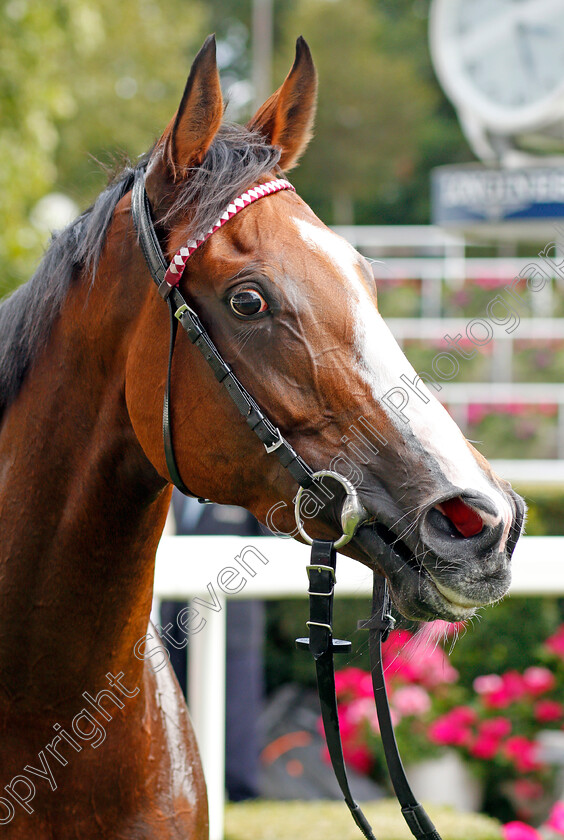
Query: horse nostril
[[465, 519]]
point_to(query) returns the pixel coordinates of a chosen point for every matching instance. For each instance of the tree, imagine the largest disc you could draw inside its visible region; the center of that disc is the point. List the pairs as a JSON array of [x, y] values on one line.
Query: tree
[[84, 79], [372, 106], [81, 78]]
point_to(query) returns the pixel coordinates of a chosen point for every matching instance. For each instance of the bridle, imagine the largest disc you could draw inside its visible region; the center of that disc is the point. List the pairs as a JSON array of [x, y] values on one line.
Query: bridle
[[321, 571], [167, 277]]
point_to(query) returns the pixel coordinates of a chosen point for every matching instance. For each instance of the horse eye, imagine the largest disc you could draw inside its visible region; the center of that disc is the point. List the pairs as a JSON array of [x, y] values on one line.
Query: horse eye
[[248, 302]]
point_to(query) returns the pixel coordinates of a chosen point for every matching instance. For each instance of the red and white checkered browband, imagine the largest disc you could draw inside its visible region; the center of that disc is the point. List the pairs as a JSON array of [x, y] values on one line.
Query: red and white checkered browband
[[178, 263]]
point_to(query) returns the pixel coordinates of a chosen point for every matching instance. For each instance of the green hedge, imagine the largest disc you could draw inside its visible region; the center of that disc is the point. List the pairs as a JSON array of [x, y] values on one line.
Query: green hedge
[[332, 821], [503, 637], [546, 510]]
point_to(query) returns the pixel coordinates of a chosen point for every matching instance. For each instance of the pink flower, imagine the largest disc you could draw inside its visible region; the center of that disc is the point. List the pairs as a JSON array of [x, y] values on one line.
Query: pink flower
[[464, 715], [358, 756], [359, 710], [489, 282], [556, 818], [393, 656], [477, 412], [522, 753], [347, 724], [490, 734], [351, 683], [555, 643], [484, 747], [417, 661], [547, 711], [487, 684], [498, 727], [519, 831], [539, 680], [453, 729], [411, 700], [355, 751], [500, 692]]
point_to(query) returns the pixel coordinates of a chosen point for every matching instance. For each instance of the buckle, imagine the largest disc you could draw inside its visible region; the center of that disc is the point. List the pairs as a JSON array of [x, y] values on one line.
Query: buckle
[[321, 568], [391, 623], [273, 446], [181, 309], [383, 623]]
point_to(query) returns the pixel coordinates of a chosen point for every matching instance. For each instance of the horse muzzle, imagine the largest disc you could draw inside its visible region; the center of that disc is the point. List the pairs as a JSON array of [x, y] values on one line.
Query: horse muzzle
[[454, 558]]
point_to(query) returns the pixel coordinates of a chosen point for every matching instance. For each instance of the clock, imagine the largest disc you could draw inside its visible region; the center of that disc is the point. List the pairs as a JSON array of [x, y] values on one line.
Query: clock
[[501, 62]]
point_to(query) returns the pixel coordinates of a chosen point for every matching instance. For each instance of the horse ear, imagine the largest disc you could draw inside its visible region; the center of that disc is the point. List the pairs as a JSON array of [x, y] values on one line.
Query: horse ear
[[195, 124], [286, 119]]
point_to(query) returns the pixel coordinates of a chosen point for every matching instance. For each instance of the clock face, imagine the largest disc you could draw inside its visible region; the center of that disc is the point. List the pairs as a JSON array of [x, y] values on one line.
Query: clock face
[[502, 59]]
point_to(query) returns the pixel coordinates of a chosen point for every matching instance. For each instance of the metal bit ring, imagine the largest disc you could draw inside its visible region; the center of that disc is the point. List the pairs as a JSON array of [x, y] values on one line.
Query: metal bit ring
[[353, 511]]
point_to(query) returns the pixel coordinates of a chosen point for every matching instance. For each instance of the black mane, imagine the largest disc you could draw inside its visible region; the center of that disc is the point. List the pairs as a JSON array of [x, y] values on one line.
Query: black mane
[[235, 160]]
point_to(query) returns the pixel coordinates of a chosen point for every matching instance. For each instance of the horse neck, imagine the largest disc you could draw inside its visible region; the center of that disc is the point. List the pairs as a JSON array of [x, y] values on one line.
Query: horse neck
[[81, 507]]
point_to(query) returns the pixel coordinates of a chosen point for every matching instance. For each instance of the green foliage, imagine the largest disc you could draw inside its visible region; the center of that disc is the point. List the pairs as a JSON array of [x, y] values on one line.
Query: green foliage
[[545, 517], [504, 637], [372, 106], [332, 821], [81, 78], [286, 621], [84, 79]]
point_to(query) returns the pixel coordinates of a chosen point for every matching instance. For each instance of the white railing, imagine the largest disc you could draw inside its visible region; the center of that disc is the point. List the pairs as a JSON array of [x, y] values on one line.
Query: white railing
[[525, 473], [439, 259], [388, 238], [502, 343], [460, 396], [272, 568]]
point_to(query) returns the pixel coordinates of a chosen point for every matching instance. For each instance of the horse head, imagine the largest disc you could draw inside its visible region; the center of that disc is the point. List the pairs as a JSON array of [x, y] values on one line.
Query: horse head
[[293, 309]]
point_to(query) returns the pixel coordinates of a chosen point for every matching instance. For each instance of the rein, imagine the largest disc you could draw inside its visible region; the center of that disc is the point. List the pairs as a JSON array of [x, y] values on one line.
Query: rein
[[321, 571], [323, 645]]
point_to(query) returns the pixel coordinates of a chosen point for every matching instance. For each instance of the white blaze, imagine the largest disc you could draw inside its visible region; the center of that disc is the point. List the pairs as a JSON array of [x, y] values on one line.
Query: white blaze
[[381, 363]]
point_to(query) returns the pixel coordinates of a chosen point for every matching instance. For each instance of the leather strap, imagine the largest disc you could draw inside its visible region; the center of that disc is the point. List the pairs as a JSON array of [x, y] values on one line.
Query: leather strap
[[322, 646], [154, 257], [379, 626], [266, 431], [167, 422], [180, 312], [141, 212]]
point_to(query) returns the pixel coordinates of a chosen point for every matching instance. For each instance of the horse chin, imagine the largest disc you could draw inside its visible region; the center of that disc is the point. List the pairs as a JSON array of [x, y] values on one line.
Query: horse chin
[[415, 591]]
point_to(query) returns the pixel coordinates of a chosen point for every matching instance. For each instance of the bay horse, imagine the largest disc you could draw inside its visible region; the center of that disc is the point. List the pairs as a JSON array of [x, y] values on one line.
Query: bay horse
[[95, 742]]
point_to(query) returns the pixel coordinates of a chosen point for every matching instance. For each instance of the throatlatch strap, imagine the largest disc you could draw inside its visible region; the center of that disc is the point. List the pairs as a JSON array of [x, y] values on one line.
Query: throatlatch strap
[[141, 212]]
